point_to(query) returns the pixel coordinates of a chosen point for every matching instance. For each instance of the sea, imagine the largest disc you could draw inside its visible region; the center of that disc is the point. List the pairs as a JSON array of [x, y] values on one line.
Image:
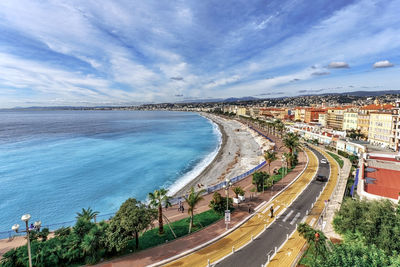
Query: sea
[[53, 163]]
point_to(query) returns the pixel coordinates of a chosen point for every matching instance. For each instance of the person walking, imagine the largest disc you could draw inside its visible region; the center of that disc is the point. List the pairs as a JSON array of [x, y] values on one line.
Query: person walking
[[272, 211]]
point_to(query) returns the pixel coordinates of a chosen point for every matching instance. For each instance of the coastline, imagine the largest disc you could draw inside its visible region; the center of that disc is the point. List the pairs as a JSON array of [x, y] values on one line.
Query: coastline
[[239, 151]]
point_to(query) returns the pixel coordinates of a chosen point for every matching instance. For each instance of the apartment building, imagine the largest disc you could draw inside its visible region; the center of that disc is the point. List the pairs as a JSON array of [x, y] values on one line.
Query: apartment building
[[363, 123], [380, 129], [396, 126], [334, 118], [350, 120], [299, 114], [322, 119], [312, 114]]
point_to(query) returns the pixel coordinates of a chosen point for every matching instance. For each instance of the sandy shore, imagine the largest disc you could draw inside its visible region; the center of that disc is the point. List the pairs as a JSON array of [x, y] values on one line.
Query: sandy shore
[[241, 150]]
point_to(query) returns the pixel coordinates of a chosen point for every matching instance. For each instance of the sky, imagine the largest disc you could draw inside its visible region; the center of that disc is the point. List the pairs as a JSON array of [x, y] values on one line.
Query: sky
[[85, 53]]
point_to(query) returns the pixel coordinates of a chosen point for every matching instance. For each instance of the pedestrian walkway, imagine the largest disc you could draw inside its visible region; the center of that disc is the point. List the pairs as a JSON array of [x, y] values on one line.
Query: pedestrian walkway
[[254, 226], [291, 251], [336, 200], [159, 253]]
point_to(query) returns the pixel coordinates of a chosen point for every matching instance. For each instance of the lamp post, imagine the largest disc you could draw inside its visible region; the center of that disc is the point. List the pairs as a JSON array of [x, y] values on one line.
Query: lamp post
[[36, 227], [226, 186]]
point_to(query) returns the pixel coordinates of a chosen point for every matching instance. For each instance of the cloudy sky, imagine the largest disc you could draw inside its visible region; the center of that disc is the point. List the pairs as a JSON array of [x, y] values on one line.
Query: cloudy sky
[[121, 52]]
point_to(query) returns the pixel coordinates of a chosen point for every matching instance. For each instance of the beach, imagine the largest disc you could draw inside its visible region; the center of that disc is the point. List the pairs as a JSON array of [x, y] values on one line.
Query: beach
[[241, 150]]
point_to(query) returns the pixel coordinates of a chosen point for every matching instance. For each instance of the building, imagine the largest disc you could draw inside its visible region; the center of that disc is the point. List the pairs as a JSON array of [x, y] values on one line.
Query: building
[[380, 129], [299, 114], [363, 124], [312, 114], [350, 120], [322, 119], [241, 111], [334, 118], [396, 126]]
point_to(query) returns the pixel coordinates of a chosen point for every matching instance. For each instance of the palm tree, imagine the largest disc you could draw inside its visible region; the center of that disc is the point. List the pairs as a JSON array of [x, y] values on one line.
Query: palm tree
[[87, 214], [289, 159], [157, 199], [269, 157], [192, 200], [292, 142]]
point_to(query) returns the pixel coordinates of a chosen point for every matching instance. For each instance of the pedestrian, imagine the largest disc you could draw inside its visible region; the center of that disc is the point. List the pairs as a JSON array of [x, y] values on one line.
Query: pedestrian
[[272, 211], [249, 208], [183, 208]]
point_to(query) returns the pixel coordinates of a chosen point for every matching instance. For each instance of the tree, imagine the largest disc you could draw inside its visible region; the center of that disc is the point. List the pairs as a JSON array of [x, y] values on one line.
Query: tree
[[131, 218], [238, 190], [93, 244], [292, 142], [259, 179], [289, 159], [158, 199], [270, 156], [87, 214], [218, 203], [314, 238], [192, 200]]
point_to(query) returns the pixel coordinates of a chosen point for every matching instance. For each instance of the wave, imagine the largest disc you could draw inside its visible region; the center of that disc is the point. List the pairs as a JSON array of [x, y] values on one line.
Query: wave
[[197, 170]]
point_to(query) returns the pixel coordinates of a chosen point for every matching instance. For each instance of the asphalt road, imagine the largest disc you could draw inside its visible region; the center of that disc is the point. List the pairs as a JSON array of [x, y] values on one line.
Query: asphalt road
[[256, 253]]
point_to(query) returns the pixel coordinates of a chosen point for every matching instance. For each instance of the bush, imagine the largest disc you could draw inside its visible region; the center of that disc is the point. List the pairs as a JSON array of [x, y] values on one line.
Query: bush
[[218, 203]]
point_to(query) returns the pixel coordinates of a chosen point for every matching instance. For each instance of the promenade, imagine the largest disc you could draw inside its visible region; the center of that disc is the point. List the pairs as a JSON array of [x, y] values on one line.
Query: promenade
[[175, 247], [254, 226]]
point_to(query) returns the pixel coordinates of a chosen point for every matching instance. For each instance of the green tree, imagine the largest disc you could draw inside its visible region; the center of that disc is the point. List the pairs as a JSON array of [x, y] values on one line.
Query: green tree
[[292, 142], [238, 190], [218, 203], [259, 179], [132, 218], [192, 200], [94, 243], [270, 156], [87, 214], [315, 239], [157, 200]]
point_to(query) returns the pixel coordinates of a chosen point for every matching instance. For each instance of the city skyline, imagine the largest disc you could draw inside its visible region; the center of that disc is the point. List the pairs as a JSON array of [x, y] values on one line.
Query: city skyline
[[74, 53]]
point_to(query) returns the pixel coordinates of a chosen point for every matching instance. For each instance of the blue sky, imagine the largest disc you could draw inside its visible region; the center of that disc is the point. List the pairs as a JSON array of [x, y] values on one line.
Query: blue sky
[[123, 52]]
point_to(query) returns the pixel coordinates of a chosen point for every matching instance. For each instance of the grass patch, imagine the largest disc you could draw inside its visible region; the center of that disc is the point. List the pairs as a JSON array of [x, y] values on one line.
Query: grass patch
[[337, 158], [151, 238]]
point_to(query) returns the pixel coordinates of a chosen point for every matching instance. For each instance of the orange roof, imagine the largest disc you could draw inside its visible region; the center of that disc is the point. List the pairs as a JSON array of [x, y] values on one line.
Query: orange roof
[[376, 107]]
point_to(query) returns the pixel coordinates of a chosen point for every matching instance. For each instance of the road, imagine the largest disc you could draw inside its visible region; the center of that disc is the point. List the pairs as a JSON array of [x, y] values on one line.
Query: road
[[255, 254]]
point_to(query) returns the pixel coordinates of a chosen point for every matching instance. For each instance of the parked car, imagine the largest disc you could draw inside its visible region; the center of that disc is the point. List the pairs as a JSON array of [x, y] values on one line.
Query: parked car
[[324, 161], [321, 178]]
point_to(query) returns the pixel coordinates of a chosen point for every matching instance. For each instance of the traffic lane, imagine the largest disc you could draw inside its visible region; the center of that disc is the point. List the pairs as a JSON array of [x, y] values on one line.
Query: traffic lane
[[256, 253]]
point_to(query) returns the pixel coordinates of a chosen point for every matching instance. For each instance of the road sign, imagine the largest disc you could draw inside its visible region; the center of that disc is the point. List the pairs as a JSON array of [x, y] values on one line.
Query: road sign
[[227, 216]]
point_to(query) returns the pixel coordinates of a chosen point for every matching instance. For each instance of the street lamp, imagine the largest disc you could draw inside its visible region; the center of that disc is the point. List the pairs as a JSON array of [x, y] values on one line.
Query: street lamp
[[226, 186], [36, 226]]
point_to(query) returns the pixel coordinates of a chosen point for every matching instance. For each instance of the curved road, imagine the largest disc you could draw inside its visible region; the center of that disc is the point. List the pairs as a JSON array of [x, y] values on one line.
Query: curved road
[[256, 253]]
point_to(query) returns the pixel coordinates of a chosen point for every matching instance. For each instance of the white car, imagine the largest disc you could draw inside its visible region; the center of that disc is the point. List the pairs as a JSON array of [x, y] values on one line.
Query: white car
[[324, 161]]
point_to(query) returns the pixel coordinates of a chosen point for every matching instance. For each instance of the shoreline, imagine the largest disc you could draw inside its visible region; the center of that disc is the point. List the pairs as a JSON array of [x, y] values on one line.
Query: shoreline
[[217, 157], [239, 151]]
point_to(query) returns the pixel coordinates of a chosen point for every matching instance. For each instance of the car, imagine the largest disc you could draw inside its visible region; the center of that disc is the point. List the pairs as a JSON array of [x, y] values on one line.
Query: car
[[321, 178], [324, 161]]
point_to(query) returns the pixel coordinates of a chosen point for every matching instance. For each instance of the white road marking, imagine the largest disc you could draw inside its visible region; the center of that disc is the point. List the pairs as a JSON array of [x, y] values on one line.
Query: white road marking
[[287, 216], [312, 221], [295, 218]]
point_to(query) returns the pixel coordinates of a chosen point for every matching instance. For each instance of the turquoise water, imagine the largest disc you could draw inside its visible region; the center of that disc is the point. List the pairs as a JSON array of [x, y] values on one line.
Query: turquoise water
[[53, 163]]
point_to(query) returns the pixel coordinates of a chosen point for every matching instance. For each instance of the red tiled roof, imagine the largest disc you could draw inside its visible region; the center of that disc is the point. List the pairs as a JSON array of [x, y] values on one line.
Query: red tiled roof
[[387, 183], [376, 107], [385, 159]]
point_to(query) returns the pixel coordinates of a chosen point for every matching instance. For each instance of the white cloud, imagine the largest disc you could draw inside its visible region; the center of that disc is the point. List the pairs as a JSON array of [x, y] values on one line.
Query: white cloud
[[383, 64], [223, 81]]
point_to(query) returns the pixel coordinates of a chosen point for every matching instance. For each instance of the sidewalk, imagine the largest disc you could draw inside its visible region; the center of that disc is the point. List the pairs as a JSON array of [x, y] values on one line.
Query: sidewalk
[[336, 199]]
